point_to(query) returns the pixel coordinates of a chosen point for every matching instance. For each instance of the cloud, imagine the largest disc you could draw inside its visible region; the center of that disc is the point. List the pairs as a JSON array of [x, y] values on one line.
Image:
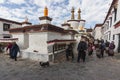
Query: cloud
[[2, 1], [93, 11], [17, 1]]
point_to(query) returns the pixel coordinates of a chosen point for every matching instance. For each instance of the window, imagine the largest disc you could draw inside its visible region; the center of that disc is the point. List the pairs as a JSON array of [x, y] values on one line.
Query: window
[[6, 27], [109, 35], [6, 36], [110, 21], [115, 14], [113, 37], [108, 25]]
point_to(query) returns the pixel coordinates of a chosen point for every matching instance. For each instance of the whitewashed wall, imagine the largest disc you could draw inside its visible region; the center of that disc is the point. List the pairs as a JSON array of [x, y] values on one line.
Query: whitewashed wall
[[38, 42], [98, 33], [21, 39], [65, 27], [54, 35], [23, 25], [81, 24], [45, 22], [74, 24]]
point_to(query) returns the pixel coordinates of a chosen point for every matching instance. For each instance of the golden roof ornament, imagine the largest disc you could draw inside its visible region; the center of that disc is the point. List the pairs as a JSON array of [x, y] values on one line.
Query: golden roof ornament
[[45, 11], [72, 11], [79, 16], [81, 28]]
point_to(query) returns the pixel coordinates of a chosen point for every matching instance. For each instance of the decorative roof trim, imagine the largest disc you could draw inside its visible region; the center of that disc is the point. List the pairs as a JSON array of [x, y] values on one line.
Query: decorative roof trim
[[75, 20], [42, 28], [65, 24], [59, 41], [117, 24], [10, 21], [26, 23], [45, 18], [98, 25]]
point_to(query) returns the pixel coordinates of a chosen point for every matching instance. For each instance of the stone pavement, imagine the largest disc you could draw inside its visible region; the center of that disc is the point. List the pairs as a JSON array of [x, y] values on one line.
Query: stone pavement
[[107, 68]]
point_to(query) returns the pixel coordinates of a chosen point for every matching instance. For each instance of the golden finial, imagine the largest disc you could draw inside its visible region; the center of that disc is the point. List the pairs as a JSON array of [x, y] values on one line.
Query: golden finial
[[72, 11], [81, 28], [45, 11], [79, 16]]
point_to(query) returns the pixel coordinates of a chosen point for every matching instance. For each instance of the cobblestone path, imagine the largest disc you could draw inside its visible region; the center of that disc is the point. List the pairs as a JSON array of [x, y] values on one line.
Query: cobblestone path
[[107, 68]]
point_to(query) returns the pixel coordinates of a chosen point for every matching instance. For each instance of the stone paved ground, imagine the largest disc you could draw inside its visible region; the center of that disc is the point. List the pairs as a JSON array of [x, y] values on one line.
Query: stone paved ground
[[94, 69]]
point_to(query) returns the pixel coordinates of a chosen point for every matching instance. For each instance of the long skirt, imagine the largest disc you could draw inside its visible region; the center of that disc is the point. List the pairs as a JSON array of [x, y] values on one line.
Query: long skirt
[[111, 52]]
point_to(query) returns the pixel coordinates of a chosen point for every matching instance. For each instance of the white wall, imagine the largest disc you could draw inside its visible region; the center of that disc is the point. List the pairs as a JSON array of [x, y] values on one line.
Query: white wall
[[38, 42], [54, 35], [98, 33], [74, 24], [23, 25], [65, 27], [45, 21], [81, 24], [21, 39]]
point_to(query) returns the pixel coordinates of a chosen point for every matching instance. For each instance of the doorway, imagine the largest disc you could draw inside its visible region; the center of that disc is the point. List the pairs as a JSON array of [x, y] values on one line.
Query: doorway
[[119, 43]]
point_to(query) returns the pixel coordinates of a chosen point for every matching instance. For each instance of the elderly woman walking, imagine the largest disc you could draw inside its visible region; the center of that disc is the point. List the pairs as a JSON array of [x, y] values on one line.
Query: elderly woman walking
[[111, 49]]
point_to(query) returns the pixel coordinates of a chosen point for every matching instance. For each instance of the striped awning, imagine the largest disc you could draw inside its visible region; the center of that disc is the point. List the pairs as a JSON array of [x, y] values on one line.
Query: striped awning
[[8, 39]]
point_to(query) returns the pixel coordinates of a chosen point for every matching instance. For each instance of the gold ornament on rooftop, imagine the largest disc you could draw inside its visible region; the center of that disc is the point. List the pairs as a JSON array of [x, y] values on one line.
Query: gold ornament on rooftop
[[72, 15], [46, 11], [81, 28], [79, 16]]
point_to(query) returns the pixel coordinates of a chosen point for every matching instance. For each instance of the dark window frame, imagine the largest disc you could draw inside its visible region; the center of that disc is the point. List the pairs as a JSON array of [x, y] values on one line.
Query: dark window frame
[[115, 14], [6, 27], [110, 21], [113, 37]]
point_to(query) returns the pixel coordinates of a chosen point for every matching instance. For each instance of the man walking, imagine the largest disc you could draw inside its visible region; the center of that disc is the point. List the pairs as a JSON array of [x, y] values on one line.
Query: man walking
[[102, 48], [69, 52], [82, 46], [15, 50]]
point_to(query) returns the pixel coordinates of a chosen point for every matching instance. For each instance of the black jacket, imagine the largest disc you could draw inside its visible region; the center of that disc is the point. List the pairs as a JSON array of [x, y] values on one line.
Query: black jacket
[[82, 46]]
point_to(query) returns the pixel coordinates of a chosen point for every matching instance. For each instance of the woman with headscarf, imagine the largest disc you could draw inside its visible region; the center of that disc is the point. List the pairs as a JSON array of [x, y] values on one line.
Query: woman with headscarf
[[111, 49]]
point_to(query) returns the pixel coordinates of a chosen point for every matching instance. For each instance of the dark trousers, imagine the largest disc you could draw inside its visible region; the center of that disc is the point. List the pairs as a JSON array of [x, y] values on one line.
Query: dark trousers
[[15, 55], [81, 55], [90, 52], [69, 53], [102, 53]]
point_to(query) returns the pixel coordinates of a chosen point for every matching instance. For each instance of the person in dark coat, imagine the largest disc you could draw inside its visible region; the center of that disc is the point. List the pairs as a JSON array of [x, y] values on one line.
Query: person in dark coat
[[82, 47], [102, 48], [9, 47], [107, 47], [15, 50], [69, 52]]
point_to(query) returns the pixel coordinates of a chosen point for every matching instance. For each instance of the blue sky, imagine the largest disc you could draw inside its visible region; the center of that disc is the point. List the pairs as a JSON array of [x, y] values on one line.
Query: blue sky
[[93, 11]]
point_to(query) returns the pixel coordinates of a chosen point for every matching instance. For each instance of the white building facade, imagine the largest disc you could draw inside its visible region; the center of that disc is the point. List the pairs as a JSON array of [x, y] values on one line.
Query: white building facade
[[110, 28], [97, 31], [5, 25], [42, 42]]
